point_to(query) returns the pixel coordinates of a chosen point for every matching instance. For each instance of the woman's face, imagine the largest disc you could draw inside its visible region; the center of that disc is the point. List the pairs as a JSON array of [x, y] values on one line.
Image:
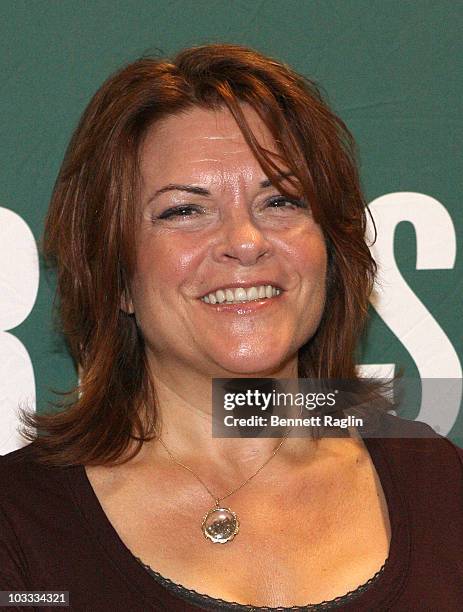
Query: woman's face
[[214, 227]]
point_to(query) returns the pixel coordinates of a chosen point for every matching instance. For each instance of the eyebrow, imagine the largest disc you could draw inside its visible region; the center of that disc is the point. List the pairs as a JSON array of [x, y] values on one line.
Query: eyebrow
[[205, 192], [178, 187]]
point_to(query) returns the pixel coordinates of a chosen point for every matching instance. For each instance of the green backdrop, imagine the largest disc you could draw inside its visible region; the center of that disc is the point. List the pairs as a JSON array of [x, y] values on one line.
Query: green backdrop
[[392, 69]]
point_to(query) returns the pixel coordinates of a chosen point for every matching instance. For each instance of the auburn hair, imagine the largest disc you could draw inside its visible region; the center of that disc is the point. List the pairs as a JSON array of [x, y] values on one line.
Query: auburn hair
[[90, 234]]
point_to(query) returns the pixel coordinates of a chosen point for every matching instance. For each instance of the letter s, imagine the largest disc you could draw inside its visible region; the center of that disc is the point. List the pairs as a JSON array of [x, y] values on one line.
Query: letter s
[[402, 310], [19, 281]]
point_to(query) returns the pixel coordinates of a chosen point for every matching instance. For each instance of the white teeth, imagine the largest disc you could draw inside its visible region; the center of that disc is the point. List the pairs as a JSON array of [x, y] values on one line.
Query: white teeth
[[252, 293], [240, 294]]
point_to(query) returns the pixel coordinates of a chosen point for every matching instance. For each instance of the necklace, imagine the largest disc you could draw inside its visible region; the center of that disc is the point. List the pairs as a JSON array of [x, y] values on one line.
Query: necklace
[[220, 524]]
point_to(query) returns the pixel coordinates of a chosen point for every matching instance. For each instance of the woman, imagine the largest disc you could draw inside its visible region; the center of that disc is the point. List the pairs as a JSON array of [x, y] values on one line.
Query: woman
[[208, 223]]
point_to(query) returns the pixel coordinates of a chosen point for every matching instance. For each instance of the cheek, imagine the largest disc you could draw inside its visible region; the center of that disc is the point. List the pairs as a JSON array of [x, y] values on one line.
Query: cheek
[[310, 256], [162, 262]]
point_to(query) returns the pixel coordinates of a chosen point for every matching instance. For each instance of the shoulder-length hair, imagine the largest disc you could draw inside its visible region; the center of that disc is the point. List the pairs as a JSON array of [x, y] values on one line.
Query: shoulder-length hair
[[91, 230]]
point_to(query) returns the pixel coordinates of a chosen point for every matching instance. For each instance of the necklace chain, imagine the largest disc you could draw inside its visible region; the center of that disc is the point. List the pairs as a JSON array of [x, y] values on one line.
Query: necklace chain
[[214, 497]]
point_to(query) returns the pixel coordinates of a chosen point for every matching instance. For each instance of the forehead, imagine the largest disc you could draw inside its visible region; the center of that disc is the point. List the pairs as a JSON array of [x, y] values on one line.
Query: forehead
[[201, 141]]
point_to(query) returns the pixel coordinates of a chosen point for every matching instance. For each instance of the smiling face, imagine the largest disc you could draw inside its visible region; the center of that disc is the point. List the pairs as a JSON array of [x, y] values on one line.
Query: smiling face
[[213, 227]]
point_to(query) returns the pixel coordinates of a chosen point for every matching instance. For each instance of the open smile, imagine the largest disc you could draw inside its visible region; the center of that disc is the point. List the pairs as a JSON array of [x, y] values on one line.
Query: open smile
[[245, 306], [240, 295]]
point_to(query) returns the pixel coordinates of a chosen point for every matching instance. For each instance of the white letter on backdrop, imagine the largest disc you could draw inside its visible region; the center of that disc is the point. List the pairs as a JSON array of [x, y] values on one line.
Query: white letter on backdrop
[[19, 282], [401, 309]]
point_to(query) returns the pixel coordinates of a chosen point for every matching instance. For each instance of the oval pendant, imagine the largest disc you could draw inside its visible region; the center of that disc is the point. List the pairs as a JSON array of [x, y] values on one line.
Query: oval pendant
[[220, 525]]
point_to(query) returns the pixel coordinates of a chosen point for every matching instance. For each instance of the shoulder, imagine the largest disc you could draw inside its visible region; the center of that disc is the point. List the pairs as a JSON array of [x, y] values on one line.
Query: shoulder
[[21, 463], [18, 463], [419, 455], [25, 482], [416, 435]]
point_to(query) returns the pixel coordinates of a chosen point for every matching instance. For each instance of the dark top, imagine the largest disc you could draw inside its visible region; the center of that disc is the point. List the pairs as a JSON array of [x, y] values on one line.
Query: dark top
[[212, 603], [54, 535]]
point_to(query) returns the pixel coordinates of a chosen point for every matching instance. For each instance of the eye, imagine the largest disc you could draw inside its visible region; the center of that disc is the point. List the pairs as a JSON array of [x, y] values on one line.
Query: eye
[[187, 210], [282, 201]]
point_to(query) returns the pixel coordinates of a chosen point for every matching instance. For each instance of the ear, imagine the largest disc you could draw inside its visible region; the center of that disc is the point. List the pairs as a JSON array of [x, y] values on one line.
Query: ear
[[126, 303]]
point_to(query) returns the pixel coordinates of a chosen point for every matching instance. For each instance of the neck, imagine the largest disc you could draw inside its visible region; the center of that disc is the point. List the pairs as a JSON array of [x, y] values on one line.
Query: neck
[[184, 401]]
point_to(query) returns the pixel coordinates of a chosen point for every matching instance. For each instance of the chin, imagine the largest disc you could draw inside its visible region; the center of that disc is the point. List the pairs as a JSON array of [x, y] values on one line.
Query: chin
[[253, 364]]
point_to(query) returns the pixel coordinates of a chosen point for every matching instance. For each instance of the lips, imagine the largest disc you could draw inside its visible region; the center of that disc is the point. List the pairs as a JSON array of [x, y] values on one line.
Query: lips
[[240, 295], [244, 285]]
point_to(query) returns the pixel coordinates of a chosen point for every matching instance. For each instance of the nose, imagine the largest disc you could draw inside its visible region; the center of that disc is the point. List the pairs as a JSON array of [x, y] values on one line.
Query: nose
[[242, 240]]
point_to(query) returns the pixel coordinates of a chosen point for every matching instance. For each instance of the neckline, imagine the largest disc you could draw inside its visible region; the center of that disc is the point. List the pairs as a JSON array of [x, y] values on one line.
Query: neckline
[[222, 604], [383, 591]]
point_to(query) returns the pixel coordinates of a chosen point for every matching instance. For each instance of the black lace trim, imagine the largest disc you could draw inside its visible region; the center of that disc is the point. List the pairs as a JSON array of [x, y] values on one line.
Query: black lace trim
[[221, 604]]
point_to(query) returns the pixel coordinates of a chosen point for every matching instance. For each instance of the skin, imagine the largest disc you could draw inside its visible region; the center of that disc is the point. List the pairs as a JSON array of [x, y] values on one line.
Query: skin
[[306, 534], [237, 233]]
